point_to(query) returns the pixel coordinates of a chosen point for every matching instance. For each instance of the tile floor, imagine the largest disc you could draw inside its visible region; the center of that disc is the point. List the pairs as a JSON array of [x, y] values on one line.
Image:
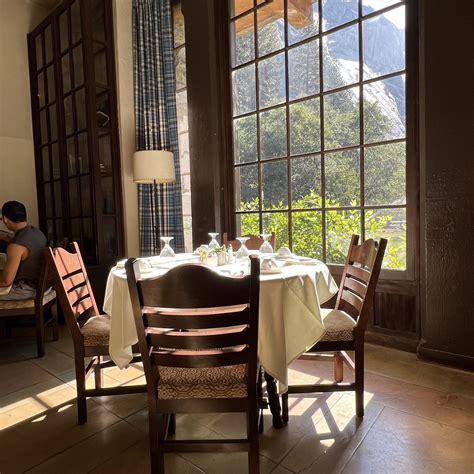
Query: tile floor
[[419, 418]]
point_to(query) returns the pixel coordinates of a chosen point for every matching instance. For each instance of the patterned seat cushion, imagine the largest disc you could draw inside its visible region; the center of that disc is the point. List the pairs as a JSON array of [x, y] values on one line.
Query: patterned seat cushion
[[338, 324], [27, 304], [96, 331], [216, 382]]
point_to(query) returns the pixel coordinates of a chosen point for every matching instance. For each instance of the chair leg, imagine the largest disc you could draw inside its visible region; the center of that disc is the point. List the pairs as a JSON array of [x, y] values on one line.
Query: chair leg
[[338, 367], [81, 390], [252, 434], [284, 408], [99, 380], [155, 420], [359, 380], [54, 321], [39, 323]]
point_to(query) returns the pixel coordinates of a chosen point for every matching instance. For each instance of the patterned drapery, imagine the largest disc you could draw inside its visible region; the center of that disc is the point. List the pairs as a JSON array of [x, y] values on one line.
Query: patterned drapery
[[155, 116]]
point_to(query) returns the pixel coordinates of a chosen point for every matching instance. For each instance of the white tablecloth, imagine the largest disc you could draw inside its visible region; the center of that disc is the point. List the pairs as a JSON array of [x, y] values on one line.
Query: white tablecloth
[[290, 317]]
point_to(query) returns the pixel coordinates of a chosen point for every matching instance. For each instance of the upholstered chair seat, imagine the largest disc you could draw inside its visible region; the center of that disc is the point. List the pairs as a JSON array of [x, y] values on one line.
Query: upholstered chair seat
[[96, 331], [30, 303], [338, 324]]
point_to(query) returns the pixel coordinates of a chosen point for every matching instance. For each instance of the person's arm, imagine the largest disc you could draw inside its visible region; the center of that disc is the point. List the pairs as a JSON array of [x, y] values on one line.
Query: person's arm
[[15, 254]]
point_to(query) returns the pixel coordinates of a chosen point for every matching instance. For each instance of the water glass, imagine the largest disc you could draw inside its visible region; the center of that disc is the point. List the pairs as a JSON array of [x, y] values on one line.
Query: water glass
[[167, 251], [266, 247]]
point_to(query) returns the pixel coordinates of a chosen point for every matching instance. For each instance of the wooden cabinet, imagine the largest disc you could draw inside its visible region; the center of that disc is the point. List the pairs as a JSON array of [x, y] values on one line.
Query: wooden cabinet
[[73, 99]]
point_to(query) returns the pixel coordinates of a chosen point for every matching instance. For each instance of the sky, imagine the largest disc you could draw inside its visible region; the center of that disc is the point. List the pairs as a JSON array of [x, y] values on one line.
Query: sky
[[396, 16]]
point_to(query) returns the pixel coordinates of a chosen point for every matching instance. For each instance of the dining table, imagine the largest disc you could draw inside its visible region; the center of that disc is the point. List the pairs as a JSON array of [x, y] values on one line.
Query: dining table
[[290, 321]]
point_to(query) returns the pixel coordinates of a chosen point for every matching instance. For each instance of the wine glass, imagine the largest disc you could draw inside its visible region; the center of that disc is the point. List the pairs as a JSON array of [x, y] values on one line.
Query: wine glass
[[243, 250], [167, 251], [213, 243], [266, 247]]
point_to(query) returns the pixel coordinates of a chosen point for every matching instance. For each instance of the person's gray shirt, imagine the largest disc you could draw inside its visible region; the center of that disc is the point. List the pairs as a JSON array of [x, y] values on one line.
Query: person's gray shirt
[[35, 241]]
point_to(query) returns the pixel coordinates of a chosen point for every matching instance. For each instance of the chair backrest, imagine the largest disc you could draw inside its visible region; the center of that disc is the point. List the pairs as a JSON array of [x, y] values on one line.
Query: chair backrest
[[253, 243], [193, 317], [72, 285], [359, 279]]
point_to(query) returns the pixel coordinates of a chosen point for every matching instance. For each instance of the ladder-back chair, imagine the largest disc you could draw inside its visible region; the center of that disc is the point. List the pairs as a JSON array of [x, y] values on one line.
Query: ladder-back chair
[[345, 325], [197, 333], [254, 242], [88, 327]]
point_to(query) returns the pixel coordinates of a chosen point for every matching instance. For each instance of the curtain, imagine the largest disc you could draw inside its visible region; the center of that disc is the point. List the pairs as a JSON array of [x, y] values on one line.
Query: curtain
[[155, 117]]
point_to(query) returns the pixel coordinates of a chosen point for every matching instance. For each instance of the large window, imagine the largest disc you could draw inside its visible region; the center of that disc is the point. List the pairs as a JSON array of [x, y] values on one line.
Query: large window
[[319, 134], [182, 115]]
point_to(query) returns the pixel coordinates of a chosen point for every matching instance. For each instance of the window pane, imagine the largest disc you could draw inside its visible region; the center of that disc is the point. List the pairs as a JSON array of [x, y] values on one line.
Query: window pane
[[242, 41], [341, 119], [103, 111], [369, 6], [340, 225], [55, 160], [48, 200], [338, 12], [58, 202], [108, 203], [237, 7], [273, 133], [105, 153], [51, 84], [306, 232], [79, 67], [41, 94], [53, 124], [76, 21], [303, 69], [180, 68], [88, 241], [71, 157], [80, 110], [384, 109], [275, 185], [306, 182], [247, 224], [305, 133], [246, 188], [48, 44], [83, 154], [243, 90], [271, 76], [98, 20], [66, 73], [68, 117], [245, 139], [390, 224], [59, 230], [63, 31], [74, 199], [178, 25], [43, 126], [277, 222], [45, 160], [385, 179], [270, 28], [342, 171], [50, 230], [39, 52], [110, 237], [303, 21], [341, 58], [384, 43]]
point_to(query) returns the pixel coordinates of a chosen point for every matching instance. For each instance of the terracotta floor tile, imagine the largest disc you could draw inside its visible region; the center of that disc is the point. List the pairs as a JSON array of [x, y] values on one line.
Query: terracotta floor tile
[[93, 451], [18, 375], [333, 437], [136, 460], [49, 434], [402, 443]]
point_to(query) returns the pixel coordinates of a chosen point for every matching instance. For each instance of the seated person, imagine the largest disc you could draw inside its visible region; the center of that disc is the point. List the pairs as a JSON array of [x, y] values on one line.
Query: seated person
[[24, 254]]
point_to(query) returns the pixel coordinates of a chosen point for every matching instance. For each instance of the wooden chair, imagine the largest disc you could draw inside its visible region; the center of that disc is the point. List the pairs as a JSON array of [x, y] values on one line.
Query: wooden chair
[[185, 369], [345, 325], [39, 307], [253, 243], [89, 329]]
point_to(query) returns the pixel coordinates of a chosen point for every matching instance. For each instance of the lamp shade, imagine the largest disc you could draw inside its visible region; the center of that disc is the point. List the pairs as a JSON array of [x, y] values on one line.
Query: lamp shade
[[153, 165]]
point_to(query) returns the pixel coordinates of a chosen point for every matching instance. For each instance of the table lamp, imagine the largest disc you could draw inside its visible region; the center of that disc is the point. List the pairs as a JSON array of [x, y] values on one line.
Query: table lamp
[[153, 167]]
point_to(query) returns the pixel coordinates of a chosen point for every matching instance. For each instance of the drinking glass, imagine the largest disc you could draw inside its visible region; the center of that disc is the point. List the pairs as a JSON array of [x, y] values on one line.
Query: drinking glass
[[213, 243], [243, 250], [266, 247], [167, 251]]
